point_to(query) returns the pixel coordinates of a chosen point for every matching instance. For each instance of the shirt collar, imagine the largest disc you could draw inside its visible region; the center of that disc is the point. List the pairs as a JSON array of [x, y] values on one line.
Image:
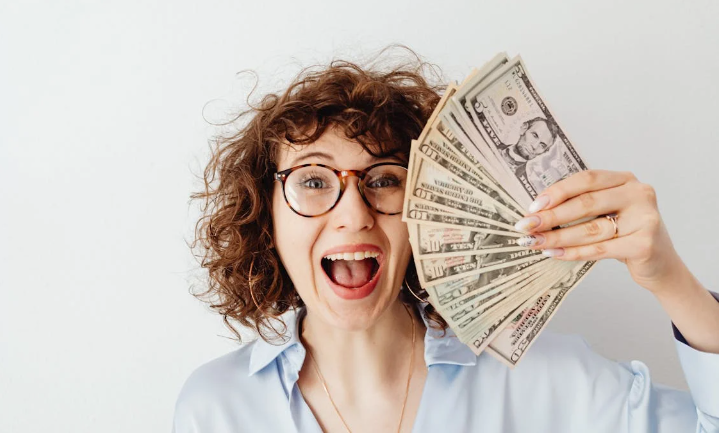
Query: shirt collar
[[264, 352], [447, 349]]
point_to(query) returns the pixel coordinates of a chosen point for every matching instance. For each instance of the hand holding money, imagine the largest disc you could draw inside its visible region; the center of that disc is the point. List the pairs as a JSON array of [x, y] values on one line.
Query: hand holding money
[[505, 218], [490, 148], [634, 232]]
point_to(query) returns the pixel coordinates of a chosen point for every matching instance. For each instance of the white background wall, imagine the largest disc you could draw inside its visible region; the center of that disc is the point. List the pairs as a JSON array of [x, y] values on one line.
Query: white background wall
[[101, 130]]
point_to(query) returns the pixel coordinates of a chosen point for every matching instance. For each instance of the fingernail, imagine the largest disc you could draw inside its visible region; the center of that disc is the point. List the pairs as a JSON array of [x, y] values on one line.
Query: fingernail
[[530, 240], [527, 223], [539, 203], [553, 252]]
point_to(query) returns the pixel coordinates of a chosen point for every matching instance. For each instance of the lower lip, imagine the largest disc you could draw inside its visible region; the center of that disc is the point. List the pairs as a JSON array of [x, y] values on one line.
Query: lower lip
[[354, 293]]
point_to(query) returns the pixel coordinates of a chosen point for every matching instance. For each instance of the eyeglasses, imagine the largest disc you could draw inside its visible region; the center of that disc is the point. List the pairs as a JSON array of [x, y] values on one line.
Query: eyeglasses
[[311, 190]]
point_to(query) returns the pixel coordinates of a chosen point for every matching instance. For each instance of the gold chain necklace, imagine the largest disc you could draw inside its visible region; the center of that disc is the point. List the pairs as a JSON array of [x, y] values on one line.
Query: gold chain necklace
[[406, 392]]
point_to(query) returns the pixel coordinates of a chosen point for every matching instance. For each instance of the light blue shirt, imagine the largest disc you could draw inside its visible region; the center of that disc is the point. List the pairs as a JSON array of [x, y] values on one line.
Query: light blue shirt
[[560, 385]]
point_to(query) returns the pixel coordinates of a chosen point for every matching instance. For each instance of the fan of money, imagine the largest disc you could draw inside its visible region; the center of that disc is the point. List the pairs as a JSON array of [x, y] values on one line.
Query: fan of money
[[489, 148]]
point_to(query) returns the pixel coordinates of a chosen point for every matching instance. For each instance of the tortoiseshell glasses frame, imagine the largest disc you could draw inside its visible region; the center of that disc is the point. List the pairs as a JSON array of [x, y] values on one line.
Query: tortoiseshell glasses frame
[[283, 175]]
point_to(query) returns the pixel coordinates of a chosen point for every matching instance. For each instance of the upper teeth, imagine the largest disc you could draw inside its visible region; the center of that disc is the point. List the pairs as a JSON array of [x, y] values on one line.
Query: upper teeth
[[357, 256]]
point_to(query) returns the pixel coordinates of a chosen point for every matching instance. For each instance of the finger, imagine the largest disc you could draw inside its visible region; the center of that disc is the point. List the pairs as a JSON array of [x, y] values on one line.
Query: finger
[[593, 231], [587, 204], [590, 232], [581, 182], [618, 248]]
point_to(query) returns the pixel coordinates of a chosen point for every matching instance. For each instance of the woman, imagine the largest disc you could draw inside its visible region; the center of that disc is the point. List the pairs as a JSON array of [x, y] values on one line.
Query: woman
[[344, 346]]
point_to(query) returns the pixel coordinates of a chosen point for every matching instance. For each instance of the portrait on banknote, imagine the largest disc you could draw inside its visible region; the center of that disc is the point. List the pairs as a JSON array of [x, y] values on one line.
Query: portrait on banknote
[[536, 137]]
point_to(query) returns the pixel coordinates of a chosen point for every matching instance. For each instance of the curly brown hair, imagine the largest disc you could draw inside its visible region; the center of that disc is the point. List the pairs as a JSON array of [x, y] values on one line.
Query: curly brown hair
[[382, 109]]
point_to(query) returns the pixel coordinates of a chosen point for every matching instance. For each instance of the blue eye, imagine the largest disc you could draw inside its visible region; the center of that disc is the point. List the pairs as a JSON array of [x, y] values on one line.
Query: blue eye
[[383, 182], [313, 181]]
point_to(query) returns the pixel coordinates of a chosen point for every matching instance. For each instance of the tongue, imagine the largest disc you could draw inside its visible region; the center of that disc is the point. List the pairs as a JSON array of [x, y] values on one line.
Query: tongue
[[351, 274]]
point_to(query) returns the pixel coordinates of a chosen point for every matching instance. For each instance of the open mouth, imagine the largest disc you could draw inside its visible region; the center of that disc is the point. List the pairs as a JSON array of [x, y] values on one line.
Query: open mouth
[[351, 270]]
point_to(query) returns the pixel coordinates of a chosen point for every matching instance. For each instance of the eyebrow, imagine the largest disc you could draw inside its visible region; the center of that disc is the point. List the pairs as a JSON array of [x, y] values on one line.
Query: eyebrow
[[314, 154], [326, 156]]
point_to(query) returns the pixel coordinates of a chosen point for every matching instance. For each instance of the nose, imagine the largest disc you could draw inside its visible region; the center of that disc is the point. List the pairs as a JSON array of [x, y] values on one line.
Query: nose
[[351, 213], [537, 145], [530, 142]]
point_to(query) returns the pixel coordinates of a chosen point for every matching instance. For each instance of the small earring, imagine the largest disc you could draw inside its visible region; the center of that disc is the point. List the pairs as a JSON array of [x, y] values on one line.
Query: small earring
[[410, 290]]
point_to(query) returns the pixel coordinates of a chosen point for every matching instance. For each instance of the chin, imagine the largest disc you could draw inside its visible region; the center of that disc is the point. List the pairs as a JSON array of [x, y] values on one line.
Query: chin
[[354, 314], [522, 151]]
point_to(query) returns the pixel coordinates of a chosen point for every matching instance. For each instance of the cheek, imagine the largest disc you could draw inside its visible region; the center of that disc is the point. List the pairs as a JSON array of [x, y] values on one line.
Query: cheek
[[398, 236], [294, 238]]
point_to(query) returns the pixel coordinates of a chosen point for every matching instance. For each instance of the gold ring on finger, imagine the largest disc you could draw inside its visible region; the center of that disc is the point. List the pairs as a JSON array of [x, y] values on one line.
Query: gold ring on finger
[[613, 218]]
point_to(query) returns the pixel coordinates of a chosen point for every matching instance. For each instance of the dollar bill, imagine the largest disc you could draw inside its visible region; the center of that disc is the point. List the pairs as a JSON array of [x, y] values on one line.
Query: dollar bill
[[519, 334], [489, 197], [440, 107], [462, 121], [553, 272], [436, 150], [490, 281], [471, 318], [455, 294], [480, 340], [429, 184], [458, 307], [439, 270], [489, 148], [438, 242], [457, 146], [456, 152], [521, 131], [425, 213]]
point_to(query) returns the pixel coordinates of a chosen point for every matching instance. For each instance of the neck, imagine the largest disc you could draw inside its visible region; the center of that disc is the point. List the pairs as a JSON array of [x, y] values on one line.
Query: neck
[[364, 360]]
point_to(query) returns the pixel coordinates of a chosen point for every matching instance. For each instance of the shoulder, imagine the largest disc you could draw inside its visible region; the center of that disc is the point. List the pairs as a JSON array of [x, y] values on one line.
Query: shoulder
[[559, 356], [561, 372], [560, 384], [558, 368], [211, 392], [213, 376], [563, 369]]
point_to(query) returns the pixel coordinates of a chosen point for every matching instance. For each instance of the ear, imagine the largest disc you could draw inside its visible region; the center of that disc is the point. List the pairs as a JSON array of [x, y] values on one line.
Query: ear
[[523, 129]]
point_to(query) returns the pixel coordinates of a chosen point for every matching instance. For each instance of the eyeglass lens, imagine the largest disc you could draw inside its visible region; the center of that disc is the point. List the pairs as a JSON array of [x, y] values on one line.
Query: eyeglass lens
[[314, 190]]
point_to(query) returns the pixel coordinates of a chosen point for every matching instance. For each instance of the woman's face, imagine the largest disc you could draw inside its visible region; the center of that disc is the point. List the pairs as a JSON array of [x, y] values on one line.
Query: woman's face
[[348, 294]]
